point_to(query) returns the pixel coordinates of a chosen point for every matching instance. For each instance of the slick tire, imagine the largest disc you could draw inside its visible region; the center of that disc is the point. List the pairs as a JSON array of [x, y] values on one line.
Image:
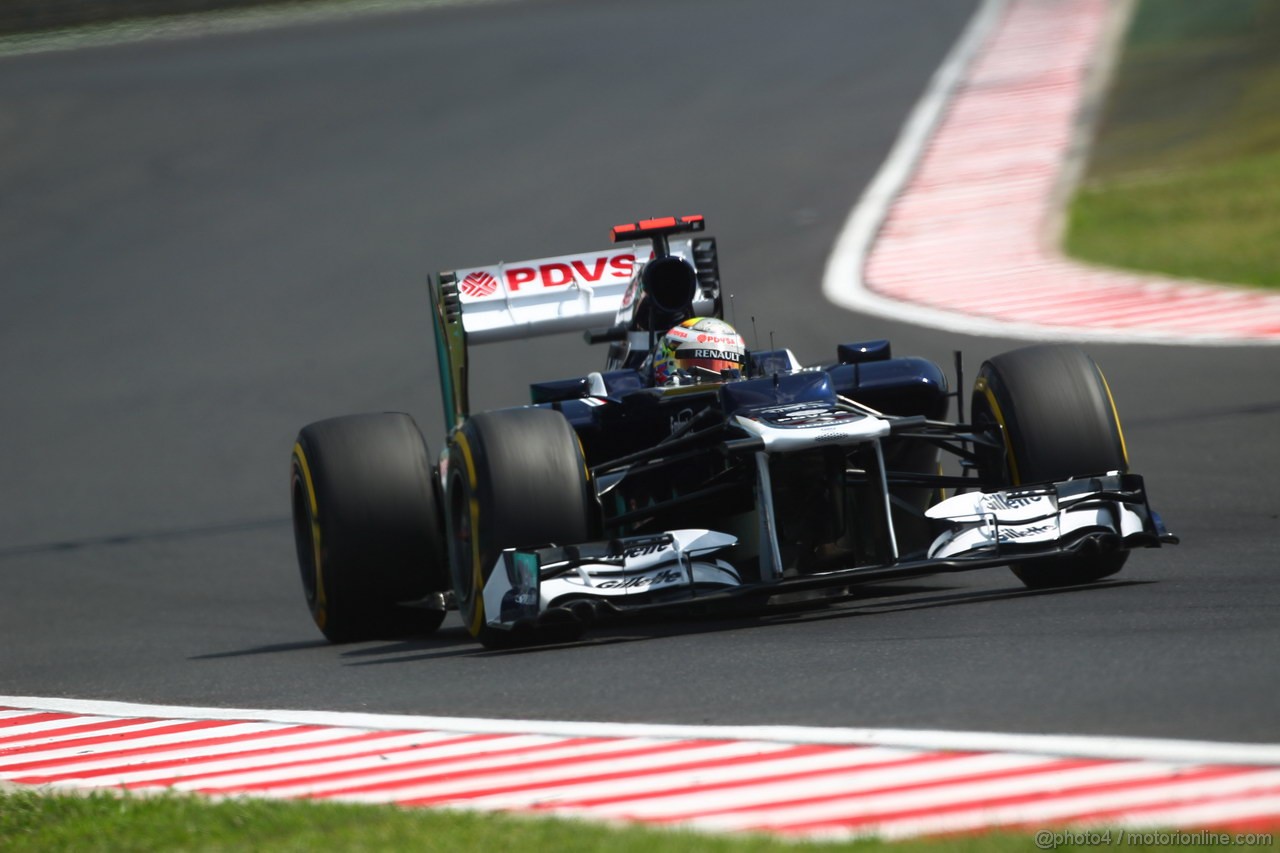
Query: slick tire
[[367, 527], [515, 478], [1051, 409]]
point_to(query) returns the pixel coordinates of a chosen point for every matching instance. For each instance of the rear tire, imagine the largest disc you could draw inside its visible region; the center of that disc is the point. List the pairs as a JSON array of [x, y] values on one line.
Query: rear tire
[[515, 478], [1052, 410], [367, 527]]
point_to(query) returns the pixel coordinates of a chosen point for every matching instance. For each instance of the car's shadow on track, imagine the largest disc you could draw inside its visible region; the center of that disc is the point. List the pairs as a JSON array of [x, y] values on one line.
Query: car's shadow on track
[[861, 602], [446, 642], [274, 648]]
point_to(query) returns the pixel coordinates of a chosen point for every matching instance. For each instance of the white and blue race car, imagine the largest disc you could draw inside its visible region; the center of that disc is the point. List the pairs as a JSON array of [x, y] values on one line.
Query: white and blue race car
[[623, 491]]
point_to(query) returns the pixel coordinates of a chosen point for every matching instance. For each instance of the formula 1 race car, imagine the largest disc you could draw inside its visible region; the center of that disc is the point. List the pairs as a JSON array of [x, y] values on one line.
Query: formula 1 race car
[[691, 473]]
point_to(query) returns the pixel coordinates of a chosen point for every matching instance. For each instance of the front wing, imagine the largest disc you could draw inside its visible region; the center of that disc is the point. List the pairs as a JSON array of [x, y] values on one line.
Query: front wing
[[533, 587]]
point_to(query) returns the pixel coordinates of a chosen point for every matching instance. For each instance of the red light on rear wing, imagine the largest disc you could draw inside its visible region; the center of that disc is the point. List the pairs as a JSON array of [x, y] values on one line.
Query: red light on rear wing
[[660, 227]]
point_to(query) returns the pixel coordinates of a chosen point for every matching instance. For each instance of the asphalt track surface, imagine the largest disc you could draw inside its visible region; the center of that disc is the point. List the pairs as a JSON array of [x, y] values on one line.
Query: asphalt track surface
[[205, 244]]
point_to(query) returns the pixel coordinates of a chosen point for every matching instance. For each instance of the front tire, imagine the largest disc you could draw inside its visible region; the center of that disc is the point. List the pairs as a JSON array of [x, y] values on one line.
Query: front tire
[[515, 478], [1051, 410], [367, 527]]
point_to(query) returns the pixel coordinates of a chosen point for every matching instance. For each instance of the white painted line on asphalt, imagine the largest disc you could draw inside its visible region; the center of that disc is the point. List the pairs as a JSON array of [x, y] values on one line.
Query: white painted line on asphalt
[[1218, 812], [204, 759], [212, 769], [880, 808], [210, 23], [75, 752], [450, 786], [738, 808], [572, 796], [1066, 808], [397, 767], [13, 735]]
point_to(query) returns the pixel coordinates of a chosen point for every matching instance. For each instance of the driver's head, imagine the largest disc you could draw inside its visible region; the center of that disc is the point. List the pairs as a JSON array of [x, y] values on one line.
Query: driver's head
[[698, 345]]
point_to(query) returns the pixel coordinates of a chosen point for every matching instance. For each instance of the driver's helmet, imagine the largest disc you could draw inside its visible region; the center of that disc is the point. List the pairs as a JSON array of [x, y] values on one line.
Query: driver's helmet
[[699, 342]]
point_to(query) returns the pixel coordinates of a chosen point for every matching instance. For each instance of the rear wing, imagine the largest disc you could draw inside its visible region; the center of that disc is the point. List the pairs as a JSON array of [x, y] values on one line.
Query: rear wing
[[567, 293]]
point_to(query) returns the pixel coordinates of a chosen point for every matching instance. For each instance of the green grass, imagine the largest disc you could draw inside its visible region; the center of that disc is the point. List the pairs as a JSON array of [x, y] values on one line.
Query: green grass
[[1185, 174], [32, 821]]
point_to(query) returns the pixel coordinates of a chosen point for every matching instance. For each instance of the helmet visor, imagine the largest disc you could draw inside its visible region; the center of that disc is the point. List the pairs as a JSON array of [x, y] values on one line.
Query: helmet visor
[[712, 360]]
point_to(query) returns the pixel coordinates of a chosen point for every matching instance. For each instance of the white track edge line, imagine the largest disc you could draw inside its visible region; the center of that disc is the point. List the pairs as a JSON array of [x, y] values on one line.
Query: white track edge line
[[842, 281], [1089, 746], [211, 22]]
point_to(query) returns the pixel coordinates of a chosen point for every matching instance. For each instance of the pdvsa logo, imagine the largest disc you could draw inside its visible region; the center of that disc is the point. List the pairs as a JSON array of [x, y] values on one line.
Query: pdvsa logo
[[478, 284], [585, 269]]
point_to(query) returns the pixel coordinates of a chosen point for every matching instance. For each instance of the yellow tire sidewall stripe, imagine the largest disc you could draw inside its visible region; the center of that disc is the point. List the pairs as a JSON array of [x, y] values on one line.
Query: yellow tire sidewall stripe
[[321, 610], [1124, 448], [477, 576], [984, 388]]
